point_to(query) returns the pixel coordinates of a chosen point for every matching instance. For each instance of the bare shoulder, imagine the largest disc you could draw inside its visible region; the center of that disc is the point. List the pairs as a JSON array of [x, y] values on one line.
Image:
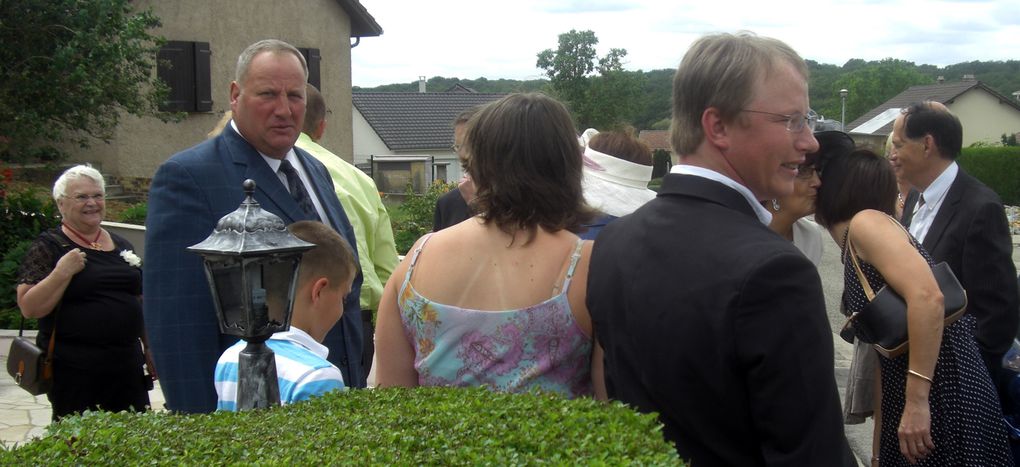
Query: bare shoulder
[[875, 233]]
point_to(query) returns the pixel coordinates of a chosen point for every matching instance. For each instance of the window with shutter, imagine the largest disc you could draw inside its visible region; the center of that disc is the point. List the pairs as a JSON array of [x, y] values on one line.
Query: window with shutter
[[185, 68], [313, 58]]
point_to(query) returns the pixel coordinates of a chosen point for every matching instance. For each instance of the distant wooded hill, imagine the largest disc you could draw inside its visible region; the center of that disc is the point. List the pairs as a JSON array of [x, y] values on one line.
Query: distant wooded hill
[[869, 84]]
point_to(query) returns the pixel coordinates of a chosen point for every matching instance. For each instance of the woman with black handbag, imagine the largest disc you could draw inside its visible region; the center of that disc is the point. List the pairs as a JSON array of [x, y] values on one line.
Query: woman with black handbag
[[87, 282], [938, 404]]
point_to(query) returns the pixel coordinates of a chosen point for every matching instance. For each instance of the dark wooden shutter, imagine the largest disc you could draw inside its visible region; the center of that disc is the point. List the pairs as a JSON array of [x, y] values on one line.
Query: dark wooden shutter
[[176, 68], [203, 77], [313, 59]]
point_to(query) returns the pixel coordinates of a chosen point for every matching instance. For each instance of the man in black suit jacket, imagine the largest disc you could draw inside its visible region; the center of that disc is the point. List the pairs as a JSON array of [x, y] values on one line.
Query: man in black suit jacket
[[707, 316], [452, 207], [961, 222]]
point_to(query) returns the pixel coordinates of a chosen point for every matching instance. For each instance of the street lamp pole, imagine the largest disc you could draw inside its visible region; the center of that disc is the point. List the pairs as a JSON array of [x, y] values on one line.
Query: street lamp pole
[[842, 117]]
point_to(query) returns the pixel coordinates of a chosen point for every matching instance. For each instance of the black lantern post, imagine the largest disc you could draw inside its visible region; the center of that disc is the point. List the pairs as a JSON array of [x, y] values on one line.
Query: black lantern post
[[251, 263]]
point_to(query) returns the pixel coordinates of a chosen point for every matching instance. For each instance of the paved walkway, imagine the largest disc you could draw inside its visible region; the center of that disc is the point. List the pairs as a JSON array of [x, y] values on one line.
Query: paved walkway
[[24, 416]]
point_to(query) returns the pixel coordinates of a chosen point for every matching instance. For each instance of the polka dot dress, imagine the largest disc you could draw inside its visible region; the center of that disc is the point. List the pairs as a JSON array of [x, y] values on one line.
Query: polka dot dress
[[967, 425]]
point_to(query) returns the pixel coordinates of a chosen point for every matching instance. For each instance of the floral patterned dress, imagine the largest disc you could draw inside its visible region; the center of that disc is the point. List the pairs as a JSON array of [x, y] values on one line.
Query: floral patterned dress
[[538, 347]]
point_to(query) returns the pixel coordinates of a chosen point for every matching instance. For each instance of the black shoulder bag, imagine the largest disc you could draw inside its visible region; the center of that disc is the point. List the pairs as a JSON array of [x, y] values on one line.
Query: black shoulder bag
[[883, 321]]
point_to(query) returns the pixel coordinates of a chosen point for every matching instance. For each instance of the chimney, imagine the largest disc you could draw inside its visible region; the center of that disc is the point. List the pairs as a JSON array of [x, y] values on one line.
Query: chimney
[[968, 77], [421, 84], [941, 79]]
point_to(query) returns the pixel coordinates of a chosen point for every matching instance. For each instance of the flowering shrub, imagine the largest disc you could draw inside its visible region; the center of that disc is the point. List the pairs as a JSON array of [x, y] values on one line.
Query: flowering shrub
[[415, 215]]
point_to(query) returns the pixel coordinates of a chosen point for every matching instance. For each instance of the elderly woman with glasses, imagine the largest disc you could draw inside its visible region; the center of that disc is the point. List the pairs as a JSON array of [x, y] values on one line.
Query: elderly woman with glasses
[[790, 213], [84, 284]]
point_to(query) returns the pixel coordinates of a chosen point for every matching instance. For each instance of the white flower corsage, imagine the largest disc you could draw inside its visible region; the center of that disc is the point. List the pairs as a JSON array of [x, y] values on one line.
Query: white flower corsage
[[131, 258]]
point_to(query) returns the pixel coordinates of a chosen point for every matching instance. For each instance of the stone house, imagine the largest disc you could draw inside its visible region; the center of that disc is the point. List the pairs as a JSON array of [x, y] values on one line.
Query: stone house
[[204, 40], [985, 114]]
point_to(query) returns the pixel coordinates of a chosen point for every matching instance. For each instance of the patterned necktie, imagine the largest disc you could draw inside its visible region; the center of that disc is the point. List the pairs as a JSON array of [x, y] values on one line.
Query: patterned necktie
[[920, 203], [298, 191]]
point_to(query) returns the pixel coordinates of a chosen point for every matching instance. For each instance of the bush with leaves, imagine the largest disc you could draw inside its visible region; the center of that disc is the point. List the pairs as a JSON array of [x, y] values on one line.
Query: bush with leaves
[[72, 69], [415, 215], [10, 315], [996, 166], [393, 426], [135, 214], [23, 214]]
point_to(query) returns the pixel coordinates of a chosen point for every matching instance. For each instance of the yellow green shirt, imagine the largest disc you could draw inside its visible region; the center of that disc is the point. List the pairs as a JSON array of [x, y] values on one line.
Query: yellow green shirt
[[359, 196]]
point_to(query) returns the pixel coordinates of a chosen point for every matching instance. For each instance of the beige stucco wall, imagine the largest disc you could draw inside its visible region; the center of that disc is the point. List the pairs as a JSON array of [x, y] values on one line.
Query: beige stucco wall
[[142, 144], [984, 117]]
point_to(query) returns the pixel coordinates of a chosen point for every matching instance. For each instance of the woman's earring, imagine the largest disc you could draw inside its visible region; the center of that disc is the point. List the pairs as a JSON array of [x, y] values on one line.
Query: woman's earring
[[775, 205]]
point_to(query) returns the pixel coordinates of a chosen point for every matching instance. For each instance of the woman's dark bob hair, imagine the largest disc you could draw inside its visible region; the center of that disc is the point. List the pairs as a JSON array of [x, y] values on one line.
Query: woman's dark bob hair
[[525, 160], [852, 183]]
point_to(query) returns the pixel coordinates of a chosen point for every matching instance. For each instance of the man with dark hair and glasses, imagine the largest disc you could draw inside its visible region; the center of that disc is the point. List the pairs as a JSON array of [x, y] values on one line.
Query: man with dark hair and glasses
[[961, 221], [707, 317]]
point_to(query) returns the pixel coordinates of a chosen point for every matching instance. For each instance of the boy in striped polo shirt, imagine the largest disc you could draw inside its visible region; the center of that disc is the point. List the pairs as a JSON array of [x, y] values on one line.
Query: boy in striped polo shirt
[[327, 272]]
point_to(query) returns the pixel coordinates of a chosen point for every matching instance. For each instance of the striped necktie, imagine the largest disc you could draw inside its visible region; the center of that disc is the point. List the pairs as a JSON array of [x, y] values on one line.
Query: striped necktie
[[298, 191]]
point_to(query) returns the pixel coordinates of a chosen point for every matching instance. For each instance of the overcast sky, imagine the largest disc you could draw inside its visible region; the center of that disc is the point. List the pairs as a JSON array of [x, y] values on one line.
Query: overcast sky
[[478, 38]]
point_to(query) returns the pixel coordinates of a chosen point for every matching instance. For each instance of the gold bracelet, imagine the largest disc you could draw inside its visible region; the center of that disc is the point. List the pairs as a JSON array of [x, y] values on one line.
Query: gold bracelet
[[919, 375]]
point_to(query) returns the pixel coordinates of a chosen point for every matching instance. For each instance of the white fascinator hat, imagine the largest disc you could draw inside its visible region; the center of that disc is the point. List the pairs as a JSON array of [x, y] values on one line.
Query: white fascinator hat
[[612, 185]]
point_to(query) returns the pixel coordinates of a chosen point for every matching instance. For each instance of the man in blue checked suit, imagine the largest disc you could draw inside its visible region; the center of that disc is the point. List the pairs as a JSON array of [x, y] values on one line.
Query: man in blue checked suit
[[196, 187]]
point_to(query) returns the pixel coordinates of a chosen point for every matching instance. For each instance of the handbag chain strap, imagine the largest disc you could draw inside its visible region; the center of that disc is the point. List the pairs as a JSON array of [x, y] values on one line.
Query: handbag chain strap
[[868, 291]]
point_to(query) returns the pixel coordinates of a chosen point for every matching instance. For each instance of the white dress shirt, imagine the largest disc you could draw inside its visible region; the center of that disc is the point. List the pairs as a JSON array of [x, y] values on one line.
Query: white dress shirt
[[934, 195], [274, 165], [763, 214]]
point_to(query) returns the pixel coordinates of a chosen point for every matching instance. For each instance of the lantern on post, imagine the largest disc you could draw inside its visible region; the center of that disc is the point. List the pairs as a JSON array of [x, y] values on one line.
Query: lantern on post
[[252, 263]]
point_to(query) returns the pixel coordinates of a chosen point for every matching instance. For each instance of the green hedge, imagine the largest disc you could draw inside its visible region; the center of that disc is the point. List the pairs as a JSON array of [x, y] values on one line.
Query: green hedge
[[413, 218], [997, 167], [395, 426]]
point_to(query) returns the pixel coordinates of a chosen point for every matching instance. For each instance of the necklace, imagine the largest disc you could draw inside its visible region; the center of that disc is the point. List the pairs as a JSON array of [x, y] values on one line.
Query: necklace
[[94, 243]]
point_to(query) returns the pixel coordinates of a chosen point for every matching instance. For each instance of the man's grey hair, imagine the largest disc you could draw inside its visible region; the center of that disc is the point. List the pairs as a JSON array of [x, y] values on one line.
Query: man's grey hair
[[720, 70], [265, 45], [75, 173]]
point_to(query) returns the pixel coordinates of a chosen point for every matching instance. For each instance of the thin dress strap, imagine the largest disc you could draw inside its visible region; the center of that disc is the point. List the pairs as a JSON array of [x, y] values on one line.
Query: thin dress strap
[[574, 258], [414, 260]]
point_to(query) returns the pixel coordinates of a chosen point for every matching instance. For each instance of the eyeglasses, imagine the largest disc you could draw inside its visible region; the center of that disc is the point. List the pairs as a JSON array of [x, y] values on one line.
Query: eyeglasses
[[83, 198], [795, 122], [807, 170]]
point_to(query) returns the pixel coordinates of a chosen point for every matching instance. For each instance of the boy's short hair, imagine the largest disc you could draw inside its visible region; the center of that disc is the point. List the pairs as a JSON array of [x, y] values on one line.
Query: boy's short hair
[[331, 258]]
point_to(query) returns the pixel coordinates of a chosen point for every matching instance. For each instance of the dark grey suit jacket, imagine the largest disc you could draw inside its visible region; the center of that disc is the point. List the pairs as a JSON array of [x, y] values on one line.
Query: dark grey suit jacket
[[718, 324], [189, 193], [970, 233]]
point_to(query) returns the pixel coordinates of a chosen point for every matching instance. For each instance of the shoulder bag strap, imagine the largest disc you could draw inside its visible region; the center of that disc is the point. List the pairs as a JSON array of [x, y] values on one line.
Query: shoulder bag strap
[[857, 268], [868, 291]]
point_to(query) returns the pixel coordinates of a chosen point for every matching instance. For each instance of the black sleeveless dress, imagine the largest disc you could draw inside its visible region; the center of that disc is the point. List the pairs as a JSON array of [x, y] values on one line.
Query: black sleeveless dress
[[966, 423]]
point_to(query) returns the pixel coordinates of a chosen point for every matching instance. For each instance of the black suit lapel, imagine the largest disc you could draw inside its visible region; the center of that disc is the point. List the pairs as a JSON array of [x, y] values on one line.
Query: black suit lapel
[[946, 212]]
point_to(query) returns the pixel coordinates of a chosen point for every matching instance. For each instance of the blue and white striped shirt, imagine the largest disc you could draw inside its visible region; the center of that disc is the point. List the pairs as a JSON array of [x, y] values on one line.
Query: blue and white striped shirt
[[301, 369]]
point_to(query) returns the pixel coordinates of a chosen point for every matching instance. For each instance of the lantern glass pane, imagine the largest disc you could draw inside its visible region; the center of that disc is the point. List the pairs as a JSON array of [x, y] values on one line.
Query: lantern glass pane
[[278, 274], [227, 280]]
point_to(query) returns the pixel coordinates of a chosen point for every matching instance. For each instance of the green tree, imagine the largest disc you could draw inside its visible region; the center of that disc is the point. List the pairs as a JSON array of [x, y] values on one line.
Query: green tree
[[598, 91], [873, 83], [72, 68]]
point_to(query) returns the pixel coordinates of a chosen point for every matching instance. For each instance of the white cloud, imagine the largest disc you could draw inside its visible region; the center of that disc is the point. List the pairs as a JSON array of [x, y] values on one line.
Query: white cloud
[[471, 39]]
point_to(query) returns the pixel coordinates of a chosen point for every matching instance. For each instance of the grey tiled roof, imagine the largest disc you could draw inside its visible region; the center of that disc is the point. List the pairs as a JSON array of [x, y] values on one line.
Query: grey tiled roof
[[944, 93], [412, 120]]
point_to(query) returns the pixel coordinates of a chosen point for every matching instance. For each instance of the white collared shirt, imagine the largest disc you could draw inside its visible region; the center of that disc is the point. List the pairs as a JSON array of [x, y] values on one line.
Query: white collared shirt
[[274, 165], [763, 214], [934, 195]]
